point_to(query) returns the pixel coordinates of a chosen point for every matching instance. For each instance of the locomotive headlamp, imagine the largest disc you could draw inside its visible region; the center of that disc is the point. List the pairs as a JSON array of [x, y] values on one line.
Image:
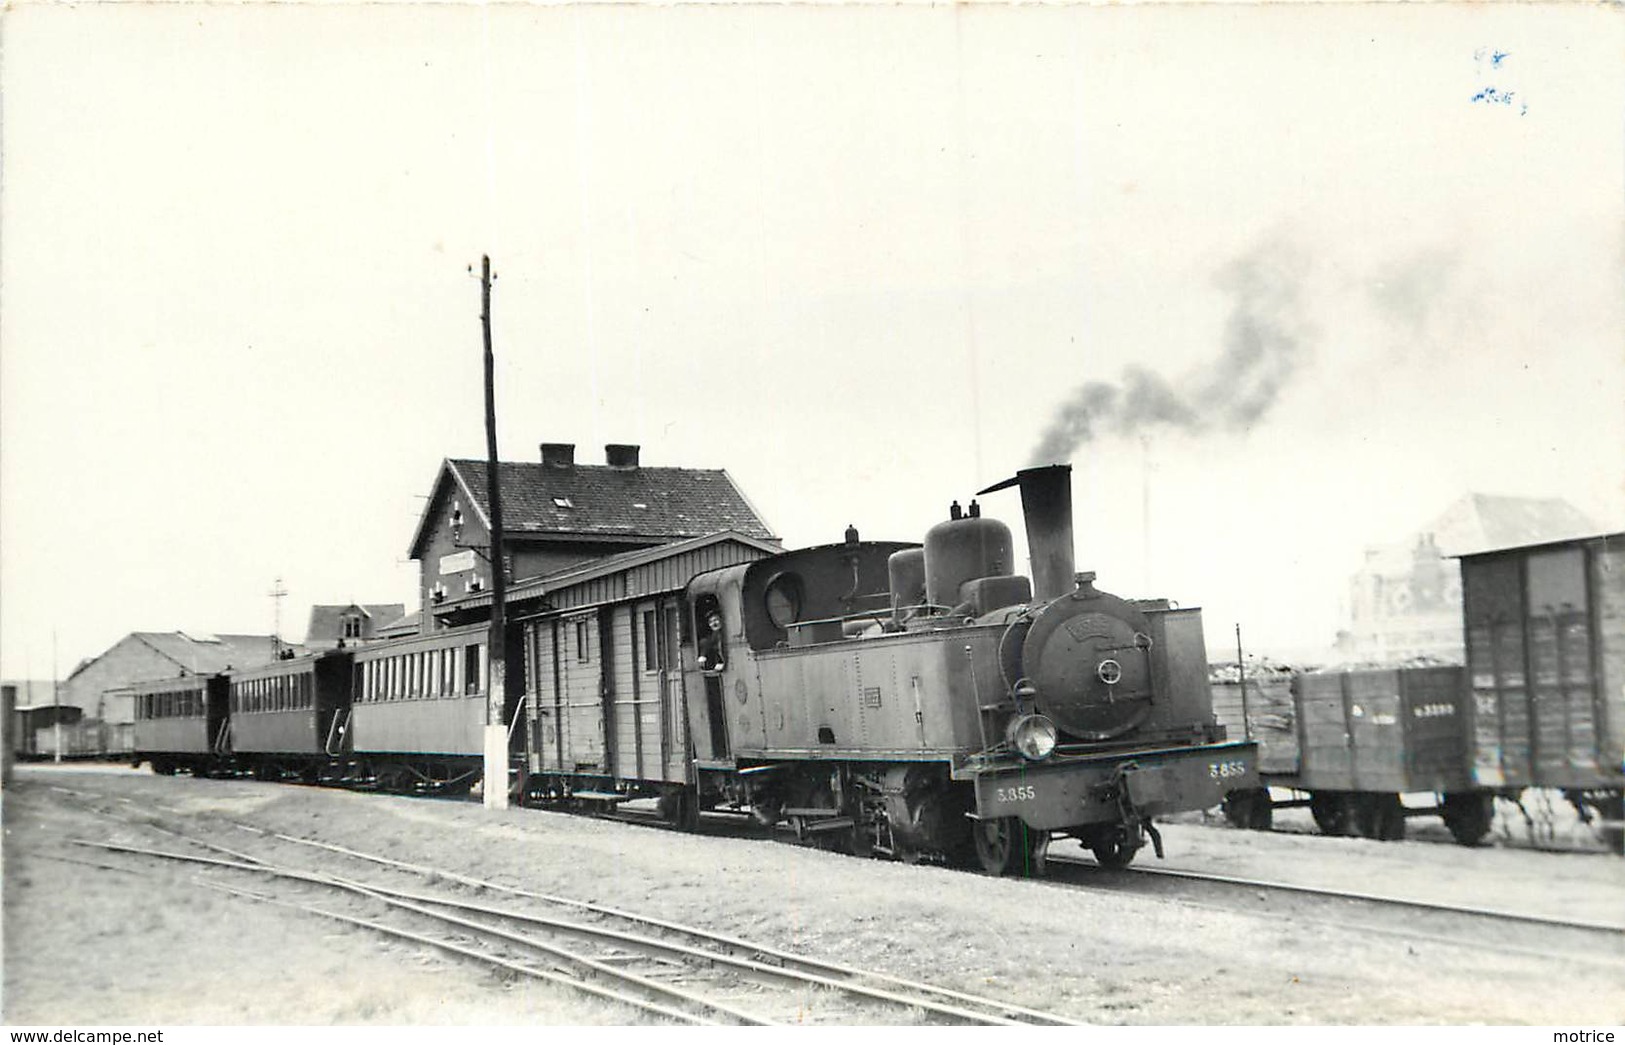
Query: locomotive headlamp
[[1033, 736]]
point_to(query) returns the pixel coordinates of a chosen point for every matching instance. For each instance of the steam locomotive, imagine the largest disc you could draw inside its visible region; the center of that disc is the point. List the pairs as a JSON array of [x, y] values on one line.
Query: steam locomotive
[[918, 702]]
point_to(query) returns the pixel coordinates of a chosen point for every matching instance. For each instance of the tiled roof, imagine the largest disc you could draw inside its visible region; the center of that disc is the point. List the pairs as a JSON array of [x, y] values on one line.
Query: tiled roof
[[327, 622], [407, 623], [582, 572], [664, 503], [204, 656], [1481, 521]]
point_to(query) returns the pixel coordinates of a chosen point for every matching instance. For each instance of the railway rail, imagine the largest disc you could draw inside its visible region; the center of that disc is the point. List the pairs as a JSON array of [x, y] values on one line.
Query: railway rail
[[1458, 925], [1096, 876], [674, 972]]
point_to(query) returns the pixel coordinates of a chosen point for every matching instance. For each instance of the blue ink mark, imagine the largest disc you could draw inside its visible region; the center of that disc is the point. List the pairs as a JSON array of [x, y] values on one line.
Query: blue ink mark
[[1491, 96]]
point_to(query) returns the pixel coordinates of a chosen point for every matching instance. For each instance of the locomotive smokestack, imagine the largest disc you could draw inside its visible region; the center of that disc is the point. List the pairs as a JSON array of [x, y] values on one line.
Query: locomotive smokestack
[[1046, 504]]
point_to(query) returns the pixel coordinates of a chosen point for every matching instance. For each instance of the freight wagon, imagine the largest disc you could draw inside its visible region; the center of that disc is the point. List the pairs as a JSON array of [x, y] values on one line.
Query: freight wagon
[[1545, 635], [1348, 744]]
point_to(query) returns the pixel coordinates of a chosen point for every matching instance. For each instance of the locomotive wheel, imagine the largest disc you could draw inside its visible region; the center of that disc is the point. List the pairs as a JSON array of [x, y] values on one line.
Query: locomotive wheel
[[1333, 813], [1468, 815], [1379, 815], [1249, 809], [1005, 845]]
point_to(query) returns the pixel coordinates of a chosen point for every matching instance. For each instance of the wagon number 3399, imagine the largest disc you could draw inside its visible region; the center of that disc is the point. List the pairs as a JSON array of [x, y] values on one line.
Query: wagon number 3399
[[1226, 770]]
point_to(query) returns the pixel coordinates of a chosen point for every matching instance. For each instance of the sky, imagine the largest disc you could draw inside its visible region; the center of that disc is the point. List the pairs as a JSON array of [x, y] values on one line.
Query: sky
[[1279, 282]]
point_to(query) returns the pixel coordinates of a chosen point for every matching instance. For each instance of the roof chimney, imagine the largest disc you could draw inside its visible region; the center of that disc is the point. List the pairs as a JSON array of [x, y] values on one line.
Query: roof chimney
[[621, 455], [559, 455]]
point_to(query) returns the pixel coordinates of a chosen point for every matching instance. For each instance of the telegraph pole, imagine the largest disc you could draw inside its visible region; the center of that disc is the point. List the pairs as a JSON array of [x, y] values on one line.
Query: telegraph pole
[[496, 736], [277, 594], [56, 702]]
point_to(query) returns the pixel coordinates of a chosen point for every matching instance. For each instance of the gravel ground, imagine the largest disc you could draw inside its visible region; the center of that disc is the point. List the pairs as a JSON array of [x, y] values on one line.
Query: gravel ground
[[89, 946]]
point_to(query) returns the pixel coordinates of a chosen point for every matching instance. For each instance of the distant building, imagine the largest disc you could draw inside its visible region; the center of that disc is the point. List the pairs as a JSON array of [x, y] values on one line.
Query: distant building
[[30, 692], [145, 655], [558, 514], [1405, 602], [401, 627], [352, 624]]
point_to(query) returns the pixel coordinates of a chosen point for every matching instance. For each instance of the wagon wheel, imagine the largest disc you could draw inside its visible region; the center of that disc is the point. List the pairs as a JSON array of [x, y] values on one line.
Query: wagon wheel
[[1468, 815], [1333, 813], [680, 807], [1379, 815], [1250, 809], [1005, 845], [1610, 806], [163, 767], [1115, 851]]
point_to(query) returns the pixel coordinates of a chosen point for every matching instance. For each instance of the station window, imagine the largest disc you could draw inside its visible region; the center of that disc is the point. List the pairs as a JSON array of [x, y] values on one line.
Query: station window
[[352, 627], [582, 653]]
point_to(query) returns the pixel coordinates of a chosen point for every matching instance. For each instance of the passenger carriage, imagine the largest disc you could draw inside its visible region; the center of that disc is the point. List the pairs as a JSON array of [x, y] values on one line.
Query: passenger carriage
[[182, 723], [287, 717], [418, 718]]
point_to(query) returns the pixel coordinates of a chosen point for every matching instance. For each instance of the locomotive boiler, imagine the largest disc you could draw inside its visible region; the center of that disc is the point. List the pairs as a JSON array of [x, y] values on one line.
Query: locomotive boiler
[[929, 703]]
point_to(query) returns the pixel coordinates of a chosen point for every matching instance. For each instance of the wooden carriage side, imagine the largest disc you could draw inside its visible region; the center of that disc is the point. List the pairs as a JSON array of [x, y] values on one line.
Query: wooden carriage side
[[604, 700]]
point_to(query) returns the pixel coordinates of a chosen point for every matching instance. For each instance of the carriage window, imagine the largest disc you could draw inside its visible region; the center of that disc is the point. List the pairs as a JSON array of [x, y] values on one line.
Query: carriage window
[[471, 669], [651, 642]]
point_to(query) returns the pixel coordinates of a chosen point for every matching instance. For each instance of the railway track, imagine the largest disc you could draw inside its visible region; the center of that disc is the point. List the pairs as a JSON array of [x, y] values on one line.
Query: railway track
[[1458, 925], [1087, 870], [1461, 926], [668, 971]]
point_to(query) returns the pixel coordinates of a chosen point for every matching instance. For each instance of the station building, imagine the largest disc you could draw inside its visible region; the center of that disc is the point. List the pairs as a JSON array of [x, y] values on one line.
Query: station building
[[559, 515]]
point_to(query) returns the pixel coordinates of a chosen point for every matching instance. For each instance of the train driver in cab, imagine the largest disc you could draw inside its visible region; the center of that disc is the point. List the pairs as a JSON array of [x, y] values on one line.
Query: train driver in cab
[[712, 656]]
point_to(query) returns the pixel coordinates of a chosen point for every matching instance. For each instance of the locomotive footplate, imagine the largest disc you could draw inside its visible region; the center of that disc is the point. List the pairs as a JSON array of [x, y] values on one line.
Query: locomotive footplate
[[1061, 794]]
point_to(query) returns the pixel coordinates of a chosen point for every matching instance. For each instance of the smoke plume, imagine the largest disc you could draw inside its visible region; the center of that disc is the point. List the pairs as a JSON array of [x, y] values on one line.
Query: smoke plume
[[1264, 343]]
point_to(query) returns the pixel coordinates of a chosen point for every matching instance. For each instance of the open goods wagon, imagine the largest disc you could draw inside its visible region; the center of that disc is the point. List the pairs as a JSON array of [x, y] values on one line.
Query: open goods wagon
[[1348, 744]]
